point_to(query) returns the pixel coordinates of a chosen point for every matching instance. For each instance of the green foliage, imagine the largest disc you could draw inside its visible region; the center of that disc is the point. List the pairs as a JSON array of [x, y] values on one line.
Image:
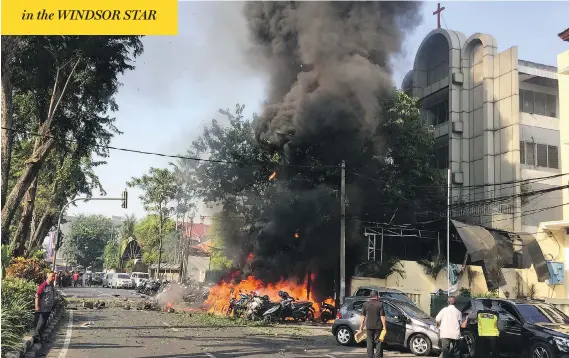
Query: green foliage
[[87, 238], [489, 294], [159, 189], [464, 292], [17, 311], [111, 255], [433, 268], [218, 259], [147, 232], [383, 270], [33, 270]]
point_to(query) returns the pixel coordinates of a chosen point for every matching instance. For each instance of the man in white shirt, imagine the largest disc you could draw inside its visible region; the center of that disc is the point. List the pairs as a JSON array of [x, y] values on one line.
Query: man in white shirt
[[449, 321]]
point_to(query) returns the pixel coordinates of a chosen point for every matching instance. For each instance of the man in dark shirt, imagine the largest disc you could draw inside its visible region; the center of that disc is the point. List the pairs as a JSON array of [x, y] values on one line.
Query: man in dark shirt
[[373, 316], [45, 300]]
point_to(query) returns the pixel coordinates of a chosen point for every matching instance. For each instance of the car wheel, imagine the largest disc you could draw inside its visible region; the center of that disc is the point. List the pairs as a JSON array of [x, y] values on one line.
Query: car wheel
[[542, 350], [470, 343], [420, 345], [344, 336]]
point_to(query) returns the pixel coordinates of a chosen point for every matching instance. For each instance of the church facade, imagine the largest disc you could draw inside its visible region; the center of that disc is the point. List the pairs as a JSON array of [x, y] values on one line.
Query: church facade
[[496, 122]]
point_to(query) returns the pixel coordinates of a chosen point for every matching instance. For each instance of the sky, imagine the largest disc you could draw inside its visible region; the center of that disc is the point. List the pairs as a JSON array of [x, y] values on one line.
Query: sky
[[180, 82]]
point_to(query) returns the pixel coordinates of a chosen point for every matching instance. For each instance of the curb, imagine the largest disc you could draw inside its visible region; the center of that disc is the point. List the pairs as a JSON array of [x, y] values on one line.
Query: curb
[[29, 348]]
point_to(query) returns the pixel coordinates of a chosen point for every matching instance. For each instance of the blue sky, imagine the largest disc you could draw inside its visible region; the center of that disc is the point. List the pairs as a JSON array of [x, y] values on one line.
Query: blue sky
[[180, 82]]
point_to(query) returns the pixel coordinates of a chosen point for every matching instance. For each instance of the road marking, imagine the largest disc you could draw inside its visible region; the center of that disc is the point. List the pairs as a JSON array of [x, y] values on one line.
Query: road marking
[[63, 352], [209, 355], [329, 356]]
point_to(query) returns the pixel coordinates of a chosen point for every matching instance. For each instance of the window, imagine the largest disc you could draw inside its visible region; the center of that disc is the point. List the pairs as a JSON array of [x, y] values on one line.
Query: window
[[358, 305], [390, 311], [440, 112], [441, 158], [538, 103], [363, 292], [541, 313], [540, 155]]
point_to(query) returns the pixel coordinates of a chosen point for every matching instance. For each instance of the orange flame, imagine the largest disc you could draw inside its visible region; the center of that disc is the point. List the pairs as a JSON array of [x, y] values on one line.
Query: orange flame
[[169, 305], [250, 257], [273, 176], [296, 235], [220, 294]]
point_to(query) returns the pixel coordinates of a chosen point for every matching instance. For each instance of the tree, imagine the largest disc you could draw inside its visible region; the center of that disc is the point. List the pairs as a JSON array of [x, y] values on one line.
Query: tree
[[218, 259], [61, 89], [184, 205], [128, 226], [112, 255], [86, 241], [159, 189], [147, 232], [388, 172]]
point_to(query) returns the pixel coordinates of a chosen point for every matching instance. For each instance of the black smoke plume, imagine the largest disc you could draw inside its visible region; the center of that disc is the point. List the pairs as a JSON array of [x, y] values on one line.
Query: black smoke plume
[[329, 66]]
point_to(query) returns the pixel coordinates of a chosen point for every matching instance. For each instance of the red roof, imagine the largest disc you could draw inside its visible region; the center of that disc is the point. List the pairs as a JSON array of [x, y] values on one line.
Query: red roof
[[564, 35], [195, 231]]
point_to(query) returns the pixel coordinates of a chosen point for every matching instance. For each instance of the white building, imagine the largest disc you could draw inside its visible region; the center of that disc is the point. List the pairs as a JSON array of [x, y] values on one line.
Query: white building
[[496, 122]]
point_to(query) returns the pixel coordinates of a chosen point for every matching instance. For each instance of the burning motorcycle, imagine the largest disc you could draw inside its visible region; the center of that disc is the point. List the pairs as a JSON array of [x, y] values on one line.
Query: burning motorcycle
[[289, 308], [327, 312], [238, 306], [256, 307]]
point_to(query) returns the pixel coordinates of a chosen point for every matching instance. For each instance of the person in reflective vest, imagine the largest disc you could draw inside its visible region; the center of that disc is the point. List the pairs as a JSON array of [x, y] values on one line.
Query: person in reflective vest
[[487, 333]]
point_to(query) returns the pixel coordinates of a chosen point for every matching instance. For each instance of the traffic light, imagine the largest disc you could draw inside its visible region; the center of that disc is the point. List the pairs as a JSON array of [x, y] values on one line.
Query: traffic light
[[124, 203]]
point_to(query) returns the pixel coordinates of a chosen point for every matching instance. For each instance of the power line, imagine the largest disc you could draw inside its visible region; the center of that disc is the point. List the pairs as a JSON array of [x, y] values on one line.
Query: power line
[[137, 151]]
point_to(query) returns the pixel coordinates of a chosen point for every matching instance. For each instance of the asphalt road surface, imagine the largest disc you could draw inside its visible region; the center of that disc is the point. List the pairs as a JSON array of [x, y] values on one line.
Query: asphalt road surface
[[97, 292], [116, 332]]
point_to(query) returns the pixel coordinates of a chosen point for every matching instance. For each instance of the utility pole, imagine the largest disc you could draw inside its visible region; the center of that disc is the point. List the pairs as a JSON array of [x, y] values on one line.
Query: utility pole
[[343, 233], [448, 229]]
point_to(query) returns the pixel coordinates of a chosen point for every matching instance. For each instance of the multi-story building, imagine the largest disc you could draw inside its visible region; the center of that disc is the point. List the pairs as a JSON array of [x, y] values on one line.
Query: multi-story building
[[496, 120]]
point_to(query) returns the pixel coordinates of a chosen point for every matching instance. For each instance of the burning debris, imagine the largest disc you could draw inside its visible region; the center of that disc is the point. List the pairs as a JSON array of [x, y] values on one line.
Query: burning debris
[[273, 176], [169, 308]]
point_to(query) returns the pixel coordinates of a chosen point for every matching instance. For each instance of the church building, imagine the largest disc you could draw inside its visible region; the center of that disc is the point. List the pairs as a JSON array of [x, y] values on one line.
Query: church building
[[496, 122]]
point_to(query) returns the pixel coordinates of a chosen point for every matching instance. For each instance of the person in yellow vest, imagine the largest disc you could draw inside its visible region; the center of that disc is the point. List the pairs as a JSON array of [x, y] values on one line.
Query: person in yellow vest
[[488, 333]]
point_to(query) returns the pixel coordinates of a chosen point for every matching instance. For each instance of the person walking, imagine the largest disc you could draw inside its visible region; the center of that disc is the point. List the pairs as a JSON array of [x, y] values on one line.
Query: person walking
[[373, 315], [75, 278], [488, 332], [45, 300], [449, 321]]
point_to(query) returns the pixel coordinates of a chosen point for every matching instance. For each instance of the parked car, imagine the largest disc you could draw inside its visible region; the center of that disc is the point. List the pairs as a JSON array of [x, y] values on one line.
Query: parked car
[[525, 326], [122, 280], [137, 277], [407, 325], [107, 279], [365, 291]]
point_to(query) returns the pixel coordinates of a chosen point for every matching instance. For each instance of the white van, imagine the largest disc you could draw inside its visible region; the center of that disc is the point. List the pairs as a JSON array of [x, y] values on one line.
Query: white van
[[121, 280], [137, 277]]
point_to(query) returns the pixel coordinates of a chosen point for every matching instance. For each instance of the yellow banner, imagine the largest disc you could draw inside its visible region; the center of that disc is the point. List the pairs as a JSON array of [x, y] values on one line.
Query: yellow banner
[[89, 17]]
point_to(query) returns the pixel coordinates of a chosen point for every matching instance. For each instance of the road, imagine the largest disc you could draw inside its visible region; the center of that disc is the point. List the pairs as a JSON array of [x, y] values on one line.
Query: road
[[97, 292], [116, 332]]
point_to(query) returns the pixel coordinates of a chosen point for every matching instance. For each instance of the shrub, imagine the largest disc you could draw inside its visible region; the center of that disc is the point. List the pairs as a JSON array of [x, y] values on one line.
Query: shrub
[[28, 269], [17, 311]]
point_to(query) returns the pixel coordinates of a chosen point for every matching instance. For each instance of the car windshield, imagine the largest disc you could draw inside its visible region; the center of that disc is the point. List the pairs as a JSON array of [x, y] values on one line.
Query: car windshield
[[541, 313], [143, 275], [397, 296], [413, 311], [124, 276]]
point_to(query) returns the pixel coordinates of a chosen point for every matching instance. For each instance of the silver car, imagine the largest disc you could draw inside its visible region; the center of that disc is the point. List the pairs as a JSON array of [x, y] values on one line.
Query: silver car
[[407, 326]]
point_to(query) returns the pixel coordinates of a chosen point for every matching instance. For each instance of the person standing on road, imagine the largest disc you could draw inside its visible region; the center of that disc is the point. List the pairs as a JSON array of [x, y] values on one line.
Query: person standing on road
[[373, 315], [449, 321], [45, 300], [488, 332], [75, 278]]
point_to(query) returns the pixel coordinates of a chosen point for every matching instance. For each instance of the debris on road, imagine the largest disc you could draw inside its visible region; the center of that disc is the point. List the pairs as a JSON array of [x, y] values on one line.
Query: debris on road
[[127, 307], [88, 324], [88, 304]]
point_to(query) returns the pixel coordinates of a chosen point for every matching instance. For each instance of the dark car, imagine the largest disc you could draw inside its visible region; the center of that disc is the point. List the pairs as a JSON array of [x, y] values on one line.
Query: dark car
[[407, 325], [525, 326], [365, 291]]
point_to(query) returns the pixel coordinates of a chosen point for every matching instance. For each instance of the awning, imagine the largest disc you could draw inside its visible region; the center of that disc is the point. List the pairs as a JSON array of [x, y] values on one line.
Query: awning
[[532, 251]]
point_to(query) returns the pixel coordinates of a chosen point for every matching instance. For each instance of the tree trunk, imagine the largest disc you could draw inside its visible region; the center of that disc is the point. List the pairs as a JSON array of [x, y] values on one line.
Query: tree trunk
[[41, 231], [20, 237], [31, 171], [160, 237], [7, 132]]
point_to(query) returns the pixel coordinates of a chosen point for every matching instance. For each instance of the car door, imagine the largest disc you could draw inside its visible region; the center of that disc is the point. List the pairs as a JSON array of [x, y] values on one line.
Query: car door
[[510, 327], [354, 313], [395, 321]]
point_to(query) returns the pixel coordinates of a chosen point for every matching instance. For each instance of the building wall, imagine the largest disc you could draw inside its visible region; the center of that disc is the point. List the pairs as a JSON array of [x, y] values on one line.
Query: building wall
[[563, 82], [419, 286]]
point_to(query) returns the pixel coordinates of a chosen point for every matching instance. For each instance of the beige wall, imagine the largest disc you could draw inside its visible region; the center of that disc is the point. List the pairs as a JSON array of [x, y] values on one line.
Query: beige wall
[[419, 286]]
